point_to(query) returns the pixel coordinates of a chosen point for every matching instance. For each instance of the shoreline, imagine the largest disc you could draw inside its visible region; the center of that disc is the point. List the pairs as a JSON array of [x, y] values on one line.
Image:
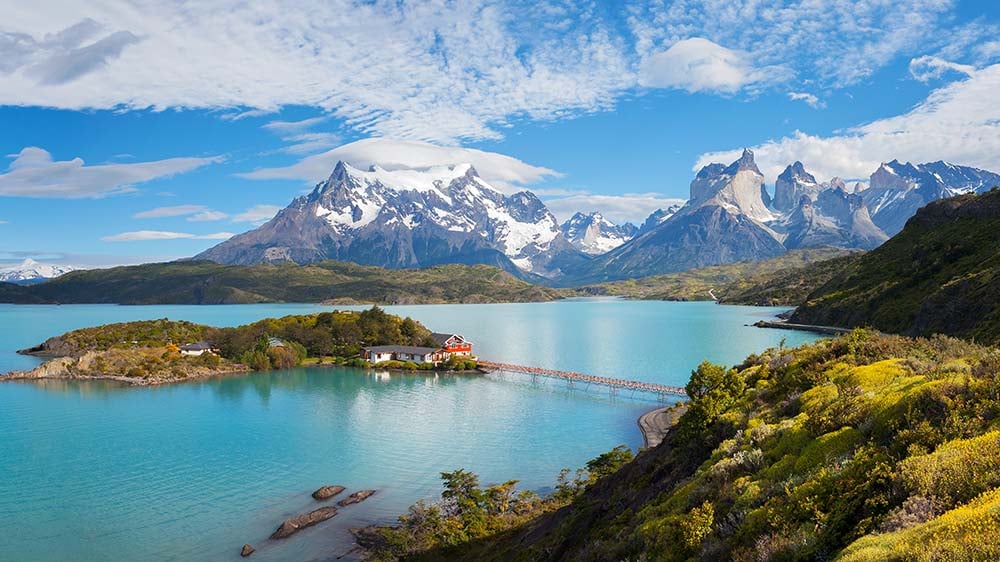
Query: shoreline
[[12, 376], [782, 325], [656, 423]]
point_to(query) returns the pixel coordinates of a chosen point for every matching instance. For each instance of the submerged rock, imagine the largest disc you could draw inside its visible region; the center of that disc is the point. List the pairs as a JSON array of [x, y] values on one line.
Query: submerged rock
[[327, 492], [247, 550], [299, 522], [356, 497]]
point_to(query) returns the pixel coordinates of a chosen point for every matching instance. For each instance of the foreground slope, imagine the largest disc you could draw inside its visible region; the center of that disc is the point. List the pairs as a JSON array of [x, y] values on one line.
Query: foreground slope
[[202, 282], [940, 274], [865, 447]]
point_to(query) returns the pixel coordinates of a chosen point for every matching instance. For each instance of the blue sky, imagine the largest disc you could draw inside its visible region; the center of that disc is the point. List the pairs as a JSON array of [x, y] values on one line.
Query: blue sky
[[139, 133]]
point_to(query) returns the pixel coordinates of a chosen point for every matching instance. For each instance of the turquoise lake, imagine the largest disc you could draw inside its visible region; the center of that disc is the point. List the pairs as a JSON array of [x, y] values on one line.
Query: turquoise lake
[[95, 471]]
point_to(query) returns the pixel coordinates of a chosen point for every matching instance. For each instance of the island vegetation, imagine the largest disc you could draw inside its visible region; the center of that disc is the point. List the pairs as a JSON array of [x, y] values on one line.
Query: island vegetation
[[860, 448], [149, 352], [205, 282]]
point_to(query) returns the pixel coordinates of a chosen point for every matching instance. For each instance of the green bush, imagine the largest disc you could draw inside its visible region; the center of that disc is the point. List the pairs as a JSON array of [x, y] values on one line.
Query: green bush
[[957, 472]]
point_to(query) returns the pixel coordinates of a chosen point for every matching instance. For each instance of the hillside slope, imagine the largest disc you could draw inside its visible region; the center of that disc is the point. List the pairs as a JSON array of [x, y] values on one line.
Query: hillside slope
[[730, 283], [202, 282], [859, 448], [940, 274]]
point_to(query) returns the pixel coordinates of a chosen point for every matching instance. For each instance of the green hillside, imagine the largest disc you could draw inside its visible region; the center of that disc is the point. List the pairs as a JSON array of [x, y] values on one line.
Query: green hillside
[[730, 283], [203, 282], [941, 274], [861, 448]]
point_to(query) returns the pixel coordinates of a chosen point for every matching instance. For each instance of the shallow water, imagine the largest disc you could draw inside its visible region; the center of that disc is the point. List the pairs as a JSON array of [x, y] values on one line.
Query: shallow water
[[96, 471]]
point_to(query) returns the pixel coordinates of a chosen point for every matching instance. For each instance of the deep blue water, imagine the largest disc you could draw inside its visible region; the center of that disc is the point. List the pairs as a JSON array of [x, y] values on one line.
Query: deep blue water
[[97, 471]]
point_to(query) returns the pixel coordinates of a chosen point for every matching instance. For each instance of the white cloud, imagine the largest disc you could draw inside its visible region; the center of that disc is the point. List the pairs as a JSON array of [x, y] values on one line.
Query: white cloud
[[501, 171], [171, 211], [834, 42], [207, 216], [958, 122], [33, 173], [630, 207], [142, 235], [926, 68], [424, 70], [194, 213], [810, 99], [3, 222], [258, 214], [696, 65], [291, 127]]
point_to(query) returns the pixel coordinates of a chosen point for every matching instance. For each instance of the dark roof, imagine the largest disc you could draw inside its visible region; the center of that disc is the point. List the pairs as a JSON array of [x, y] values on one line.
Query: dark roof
[[201, 345], [440, 338], [413, 350]]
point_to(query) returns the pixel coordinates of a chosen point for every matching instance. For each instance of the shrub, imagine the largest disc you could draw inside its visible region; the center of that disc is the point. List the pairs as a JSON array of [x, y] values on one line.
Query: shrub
[[957, 472]]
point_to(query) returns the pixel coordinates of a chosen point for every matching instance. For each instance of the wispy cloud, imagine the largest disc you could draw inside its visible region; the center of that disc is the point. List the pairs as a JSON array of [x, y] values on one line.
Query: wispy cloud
[[171, 211], [501, 171], [258, 214], [449, 72], [144, 235], [33, 173], [811, 99], [958, 122]]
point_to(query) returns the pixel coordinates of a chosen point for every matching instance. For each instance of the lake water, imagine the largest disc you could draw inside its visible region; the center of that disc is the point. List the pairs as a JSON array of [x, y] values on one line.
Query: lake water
[[95, 471]]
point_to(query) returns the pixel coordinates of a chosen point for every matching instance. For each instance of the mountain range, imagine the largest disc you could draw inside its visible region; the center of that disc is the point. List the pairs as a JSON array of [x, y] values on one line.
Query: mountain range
[[422, 217], [31, 271]]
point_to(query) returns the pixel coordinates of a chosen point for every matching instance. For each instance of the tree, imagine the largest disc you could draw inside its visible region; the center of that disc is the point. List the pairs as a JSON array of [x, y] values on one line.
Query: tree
[[713, 389], [608, 463]]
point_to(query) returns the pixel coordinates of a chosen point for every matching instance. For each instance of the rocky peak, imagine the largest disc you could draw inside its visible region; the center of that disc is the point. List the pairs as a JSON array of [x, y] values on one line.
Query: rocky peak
[[791, 185], [593, 234]]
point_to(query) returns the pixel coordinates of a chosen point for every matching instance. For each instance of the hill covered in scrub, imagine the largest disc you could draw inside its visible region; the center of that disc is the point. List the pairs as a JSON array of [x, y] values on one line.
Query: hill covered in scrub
[[204, 282], [732, 283], [860, 448], [941, 274]]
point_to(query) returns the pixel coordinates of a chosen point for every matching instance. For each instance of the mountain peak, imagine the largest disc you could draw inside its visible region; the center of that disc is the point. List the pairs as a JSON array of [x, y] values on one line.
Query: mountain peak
[[745, 163]]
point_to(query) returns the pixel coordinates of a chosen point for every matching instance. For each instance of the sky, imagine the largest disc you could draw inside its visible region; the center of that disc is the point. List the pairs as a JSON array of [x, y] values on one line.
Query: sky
[[146, 131]]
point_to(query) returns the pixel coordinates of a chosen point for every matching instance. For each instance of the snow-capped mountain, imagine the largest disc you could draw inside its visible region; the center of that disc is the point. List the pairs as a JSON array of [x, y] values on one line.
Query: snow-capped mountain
[[31, 271], [593, 234], [658, 216], [407, 218], [897, 190], [731, 217]]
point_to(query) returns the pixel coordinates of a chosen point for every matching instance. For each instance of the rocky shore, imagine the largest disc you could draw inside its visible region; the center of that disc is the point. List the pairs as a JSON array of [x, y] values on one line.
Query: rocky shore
[[139, 367], [655, 424]]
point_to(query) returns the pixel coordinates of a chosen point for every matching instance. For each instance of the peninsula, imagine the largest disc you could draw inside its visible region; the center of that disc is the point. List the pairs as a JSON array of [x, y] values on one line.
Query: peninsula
[[165, 351]]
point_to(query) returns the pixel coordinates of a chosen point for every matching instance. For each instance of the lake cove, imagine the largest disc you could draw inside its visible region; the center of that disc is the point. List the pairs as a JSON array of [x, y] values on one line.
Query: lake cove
[[97, 471]]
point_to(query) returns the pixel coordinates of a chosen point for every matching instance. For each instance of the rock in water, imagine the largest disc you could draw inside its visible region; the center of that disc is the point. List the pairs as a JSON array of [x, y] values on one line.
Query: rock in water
[[299, 522], [327, 492], [356, 497], [247, 550]]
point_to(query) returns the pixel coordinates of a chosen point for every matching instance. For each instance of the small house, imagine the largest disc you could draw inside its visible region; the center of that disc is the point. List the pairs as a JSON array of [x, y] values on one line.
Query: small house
[[199, 348], [418, 355], [448, 345], [453, 344]]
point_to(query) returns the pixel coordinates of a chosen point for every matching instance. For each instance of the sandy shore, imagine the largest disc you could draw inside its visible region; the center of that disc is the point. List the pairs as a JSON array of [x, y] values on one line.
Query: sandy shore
[[655, 424]]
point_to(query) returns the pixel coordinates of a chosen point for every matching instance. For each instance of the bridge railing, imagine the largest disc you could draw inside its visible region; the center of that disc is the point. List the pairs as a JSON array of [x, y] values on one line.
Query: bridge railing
[[572, 376]]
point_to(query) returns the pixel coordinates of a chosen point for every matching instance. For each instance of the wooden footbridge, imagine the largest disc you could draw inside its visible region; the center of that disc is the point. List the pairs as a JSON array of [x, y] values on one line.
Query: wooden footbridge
[[662, 391]]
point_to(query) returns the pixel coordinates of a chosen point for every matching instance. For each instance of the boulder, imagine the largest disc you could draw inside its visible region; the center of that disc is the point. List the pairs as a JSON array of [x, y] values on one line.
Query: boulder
[[299, 522], [247, 550], [327, 492], [356, 497]]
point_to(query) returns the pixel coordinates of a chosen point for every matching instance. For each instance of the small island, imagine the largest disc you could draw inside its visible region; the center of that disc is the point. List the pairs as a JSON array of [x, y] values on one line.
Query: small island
[[164, 351]]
